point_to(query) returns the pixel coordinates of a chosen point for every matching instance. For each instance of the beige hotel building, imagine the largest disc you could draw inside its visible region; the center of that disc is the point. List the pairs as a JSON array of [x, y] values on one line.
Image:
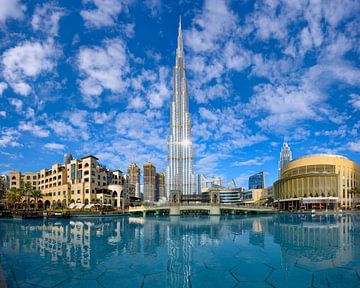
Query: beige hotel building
[[321, 181], [77, 184]]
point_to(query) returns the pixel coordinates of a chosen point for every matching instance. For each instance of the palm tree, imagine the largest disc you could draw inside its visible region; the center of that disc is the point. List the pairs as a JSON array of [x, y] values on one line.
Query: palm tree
[[354, 192], [14, 196], [36, 194], [27, 190]]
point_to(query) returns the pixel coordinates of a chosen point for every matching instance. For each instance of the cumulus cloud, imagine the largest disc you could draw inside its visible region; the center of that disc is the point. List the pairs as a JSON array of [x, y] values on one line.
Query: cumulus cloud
[[46, 18], [136, 103], [102, 68], [159, 92], [9, 137], [355, 101], [3, 114], [3, 87], [215, 21], [257, 161], [54, 146], [215, 51], [354, 146], [103, 117], [18, 104], [102, 13], [11, 9], [34, 129], [26, 62]]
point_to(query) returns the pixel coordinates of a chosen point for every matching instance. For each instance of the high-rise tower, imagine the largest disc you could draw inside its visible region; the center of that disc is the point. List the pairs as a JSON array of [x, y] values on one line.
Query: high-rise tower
[[285, 157], [180, 170], [134, 178]]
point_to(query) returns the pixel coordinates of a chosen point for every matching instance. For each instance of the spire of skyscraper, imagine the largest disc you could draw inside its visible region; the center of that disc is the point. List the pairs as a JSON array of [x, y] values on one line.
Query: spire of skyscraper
[[285, 157], [180, 170]]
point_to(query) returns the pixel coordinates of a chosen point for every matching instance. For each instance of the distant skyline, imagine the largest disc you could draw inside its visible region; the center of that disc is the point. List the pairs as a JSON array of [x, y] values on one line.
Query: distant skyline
[[95, 77]]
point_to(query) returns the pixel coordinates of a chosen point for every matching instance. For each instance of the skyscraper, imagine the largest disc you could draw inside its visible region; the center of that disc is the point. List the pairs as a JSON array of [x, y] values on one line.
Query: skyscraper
[[285, 157], [257, 181], [149, 182], [180, 170], [134, 178], [160, 186]]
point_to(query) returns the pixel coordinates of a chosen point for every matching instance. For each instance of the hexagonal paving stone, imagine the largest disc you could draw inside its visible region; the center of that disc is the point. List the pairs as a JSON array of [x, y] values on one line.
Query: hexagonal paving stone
[[121, 278], [79, 284], [221, 263], [253, 285], [47, 276], [336, 277], [213, 279], [87, 274], [251, 272], [19, 275], [295, 277], [187, 269], [150, 267], [166, 279]]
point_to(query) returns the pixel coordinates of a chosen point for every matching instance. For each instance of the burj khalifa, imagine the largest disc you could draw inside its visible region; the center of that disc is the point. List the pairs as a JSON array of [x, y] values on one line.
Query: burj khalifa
[[180, 171]]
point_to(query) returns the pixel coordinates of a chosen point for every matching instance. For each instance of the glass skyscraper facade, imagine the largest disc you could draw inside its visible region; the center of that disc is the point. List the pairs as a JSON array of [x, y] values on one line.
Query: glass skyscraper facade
[[257, 181], [180, 170]]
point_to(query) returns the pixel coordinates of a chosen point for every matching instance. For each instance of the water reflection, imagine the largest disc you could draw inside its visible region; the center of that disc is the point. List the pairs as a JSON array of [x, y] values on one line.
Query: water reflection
[[180, 251]]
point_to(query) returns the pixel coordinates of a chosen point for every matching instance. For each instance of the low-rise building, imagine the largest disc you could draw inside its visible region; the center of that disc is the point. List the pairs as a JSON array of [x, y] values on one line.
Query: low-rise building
[[79, 183]]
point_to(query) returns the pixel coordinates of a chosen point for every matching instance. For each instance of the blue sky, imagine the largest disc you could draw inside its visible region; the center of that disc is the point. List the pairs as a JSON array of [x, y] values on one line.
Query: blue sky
[[95, 76]]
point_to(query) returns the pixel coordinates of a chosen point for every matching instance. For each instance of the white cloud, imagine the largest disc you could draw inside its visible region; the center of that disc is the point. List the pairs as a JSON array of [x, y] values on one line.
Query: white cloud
[[257, 161], [11, 9], [159, 91], [26, 62], [34, 129], [3, 114], [154, 6], [103, 117], [54, 146], [215, 51], [9, 137], [18, 104], [102, 68], [74, 125], [136, 103], [215, 21], [354, 146], [3, 87], [105, 13], [355, 101], [46, 18]]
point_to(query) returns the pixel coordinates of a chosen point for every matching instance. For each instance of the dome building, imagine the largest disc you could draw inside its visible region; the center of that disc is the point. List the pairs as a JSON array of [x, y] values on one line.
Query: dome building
[[322, 181]]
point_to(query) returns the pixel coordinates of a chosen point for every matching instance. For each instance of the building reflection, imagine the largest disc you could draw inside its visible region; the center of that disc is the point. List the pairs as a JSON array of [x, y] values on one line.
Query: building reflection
[[323, 241], [302, 240]]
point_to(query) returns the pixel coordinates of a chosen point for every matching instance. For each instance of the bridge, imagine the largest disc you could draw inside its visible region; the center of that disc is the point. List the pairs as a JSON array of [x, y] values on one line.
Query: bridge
[[199, 208]]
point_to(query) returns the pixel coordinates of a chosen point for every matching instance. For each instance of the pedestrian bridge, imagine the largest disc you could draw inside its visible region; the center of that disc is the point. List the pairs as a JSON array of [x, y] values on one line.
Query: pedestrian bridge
[[203, 208]]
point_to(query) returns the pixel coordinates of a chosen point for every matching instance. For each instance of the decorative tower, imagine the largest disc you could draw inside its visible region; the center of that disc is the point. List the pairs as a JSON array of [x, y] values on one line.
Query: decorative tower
[[180, 170], [285, 157]]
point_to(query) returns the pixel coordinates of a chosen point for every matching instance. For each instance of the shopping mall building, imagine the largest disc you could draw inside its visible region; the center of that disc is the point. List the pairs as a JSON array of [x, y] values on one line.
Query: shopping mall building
[[318, 182]]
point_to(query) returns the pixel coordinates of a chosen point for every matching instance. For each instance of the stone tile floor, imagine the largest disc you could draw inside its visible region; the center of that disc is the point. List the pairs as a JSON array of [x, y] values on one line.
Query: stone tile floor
[[224, 272]]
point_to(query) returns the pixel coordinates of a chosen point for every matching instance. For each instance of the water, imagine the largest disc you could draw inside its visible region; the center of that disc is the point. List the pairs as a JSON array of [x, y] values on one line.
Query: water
[[237, 251]]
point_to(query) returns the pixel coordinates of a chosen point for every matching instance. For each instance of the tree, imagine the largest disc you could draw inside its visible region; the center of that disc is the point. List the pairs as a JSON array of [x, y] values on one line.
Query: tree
[[27, 190], [354, 192], [14, 196], [36, 194]]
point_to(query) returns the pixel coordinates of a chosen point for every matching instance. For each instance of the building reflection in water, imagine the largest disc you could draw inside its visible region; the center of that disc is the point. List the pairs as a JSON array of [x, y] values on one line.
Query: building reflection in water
[[322, 241]]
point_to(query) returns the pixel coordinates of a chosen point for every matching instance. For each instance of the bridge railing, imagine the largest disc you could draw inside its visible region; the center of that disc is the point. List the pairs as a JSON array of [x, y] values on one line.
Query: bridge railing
[[221, 205]]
